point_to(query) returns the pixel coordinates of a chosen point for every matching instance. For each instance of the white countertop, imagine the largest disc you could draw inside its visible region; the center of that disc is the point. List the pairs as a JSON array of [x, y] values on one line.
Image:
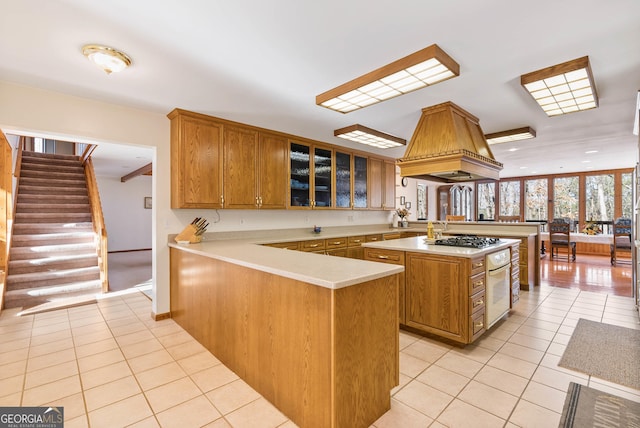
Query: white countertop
[[318, 269], [418, 244]]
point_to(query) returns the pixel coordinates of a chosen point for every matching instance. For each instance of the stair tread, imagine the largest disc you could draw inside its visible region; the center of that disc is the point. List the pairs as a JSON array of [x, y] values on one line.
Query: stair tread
[[54, 289]]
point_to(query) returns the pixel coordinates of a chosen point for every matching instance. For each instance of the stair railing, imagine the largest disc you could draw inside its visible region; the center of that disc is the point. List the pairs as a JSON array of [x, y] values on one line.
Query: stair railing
[[6, 210], [99, 228]]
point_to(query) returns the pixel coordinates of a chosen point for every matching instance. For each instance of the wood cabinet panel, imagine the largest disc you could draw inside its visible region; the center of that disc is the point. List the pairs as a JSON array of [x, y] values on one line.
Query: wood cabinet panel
[[301, 346], [396, 258], [285, 245], [435, 299], [375, 184], [240, 167], [196, 161], [313, 245], [389, 201], [272, 166]]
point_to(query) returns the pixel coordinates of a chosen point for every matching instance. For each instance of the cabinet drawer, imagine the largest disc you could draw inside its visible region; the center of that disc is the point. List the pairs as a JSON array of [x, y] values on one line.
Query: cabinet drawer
[[285, 245], [389, 236], [336, 243], [476, 283], [339, 252], [354, 241], [476, 325], [373, 238], [313, 245], [477, 265], [476, 302], [384, 256]]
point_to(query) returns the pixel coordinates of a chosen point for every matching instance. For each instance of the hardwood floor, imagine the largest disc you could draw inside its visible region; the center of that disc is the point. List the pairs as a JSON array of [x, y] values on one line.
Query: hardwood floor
[[587, 273]]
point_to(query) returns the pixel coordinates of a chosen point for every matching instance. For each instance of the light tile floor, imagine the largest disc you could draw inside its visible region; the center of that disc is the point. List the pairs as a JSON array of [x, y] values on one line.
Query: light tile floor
[[110, 365]]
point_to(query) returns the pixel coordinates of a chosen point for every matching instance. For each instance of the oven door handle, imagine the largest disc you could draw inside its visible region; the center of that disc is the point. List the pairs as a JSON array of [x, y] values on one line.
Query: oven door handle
[[499, 270]]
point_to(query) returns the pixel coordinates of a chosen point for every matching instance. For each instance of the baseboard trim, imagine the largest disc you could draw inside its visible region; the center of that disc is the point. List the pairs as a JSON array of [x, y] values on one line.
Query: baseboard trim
[[160, 317], [129, 251]]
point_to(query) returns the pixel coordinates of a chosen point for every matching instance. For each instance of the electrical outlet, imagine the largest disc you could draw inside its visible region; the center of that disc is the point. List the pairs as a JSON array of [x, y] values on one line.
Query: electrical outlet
[[350, 219]]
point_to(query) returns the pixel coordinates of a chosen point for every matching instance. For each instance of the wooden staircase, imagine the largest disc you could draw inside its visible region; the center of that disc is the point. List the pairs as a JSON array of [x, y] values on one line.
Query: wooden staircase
[[53, 250]]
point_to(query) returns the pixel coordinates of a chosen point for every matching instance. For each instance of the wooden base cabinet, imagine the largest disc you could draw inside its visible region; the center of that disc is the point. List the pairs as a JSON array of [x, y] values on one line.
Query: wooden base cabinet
[[445, 296], [397, 258], [324, 357]]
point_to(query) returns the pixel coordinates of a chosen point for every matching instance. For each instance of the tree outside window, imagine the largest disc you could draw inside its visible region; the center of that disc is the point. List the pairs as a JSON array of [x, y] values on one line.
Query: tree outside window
[[486, 200], [627, 195], [510, 198], [599, 190], [565, 198], [536, 195]]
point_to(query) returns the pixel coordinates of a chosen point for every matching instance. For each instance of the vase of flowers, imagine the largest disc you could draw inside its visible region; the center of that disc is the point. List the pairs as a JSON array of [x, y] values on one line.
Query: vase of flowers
[[591, 229], [403, 213]]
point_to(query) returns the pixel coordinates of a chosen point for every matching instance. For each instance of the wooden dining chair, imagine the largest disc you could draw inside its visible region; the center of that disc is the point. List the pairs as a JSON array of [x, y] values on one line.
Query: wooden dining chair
[[560, 238], [621, 239]]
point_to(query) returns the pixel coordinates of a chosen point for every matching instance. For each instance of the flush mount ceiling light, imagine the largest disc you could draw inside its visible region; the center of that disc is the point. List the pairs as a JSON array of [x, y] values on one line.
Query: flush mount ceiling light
[[511, 135], [109, 59], [371, 137], [563, 88], [423, 68]]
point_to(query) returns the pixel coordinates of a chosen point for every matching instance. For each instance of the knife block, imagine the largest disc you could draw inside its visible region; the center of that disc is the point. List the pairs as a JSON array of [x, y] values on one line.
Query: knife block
[[189, 234]]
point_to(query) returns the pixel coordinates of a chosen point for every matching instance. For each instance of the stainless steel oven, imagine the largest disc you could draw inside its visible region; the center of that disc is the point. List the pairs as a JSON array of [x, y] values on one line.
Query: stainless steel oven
[[498, 283]]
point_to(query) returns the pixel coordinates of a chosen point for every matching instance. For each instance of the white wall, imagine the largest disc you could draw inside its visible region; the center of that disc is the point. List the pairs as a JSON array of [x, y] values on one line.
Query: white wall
[[31, 111], [128, 223]]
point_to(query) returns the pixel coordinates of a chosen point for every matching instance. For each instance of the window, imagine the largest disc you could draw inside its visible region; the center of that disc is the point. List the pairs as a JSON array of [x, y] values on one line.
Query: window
[[510, 198], [486, 201], [599, 190], [627, 195], [536, 195], [565, 198]]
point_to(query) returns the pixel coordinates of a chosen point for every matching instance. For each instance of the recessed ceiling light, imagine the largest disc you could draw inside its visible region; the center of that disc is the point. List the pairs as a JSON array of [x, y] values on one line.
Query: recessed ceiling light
[[591, 151], [109, 59], [514, 149], [586, 161], [523, 167]]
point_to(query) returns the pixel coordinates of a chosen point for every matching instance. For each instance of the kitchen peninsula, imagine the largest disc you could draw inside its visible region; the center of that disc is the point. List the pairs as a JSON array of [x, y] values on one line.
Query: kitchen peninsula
[[315, 335]]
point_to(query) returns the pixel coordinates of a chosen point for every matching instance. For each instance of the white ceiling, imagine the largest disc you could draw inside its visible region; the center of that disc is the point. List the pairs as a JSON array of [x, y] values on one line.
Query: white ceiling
[[263, 63]]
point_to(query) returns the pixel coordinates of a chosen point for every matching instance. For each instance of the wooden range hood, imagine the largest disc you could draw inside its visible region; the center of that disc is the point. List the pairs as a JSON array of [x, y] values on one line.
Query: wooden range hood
[[448, 145]]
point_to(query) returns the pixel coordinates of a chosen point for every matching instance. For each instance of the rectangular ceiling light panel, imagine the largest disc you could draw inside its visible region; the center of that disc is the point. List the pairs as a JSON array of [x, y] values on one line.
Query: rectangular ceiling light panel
[[563, 88], [371, 137], [511, 135], [423, 68]]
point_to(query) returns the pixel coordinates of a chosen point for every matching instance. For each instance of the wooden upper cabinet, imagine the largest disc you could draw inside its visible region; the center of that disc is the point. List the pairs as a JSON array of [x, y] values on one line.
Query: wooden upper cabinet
[[343, 180], [311, 176], [273, 157], [254, 174], [196, 161], [389, 201], [375, 188], [240, 167]]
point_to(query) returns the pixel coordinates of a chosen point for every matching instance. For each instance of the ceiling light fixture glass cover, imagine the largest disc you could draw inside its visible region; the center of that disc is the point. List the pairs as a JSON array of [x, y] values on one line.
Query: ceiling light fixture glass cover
[[423, 68], [371, 137], [511, 135], [109, 59], [563, 88]]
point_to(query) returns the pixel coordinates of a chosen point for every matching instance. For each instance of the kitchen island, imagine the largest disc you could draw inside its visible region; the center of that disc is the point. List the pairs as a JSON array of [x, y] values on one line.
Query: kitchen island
[[315, 335], [450, 291]]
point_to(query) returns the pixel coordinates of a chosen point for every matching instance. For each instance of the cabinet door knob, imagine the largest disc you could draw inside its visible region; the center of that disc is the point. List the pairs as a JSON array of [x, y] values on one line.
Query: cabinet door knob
[[478, 325], [380, 256], [478, 303]]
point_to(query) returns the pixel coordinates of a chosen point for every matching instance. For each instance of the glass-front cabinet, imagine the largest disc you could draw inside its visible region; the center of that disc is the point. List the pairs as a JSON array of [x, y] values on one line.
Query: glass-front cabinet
[[360, 182], [322, 172], [310, 180], [343, 180]]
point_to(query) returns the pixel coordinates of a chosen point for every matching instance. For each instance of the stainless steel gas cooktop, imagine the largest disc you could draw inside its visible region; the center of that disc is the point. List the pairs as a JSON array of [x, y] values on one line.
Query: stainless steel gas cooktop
[[469, 241]]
